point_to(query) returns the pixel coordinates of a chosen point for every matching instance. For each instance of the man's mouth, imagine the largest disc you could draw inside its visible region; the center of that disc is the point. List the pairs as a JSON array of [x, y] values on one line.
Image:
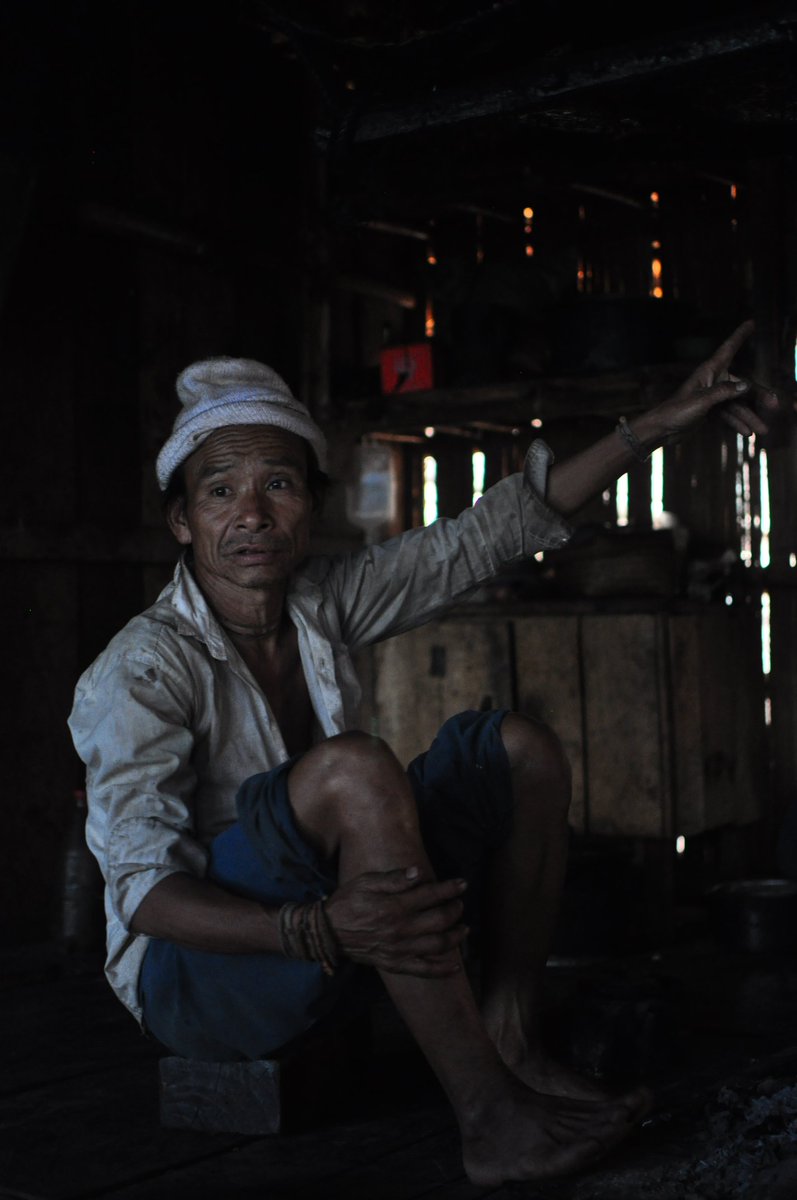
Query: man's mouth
[[258, 550]]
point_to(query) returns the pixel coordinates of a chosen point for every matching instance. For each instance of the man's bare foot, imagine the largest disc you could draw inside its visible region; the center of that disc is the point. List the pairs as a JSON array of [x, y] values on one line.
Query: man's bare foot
[[544, 1074], [525, 1135]]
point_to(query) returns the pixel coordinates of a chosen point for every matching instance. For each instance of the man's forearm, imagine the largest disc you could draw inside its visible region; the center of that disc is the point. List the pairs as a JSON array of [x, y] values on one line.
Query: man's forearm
[[197, 913], [745, 407], [572, 482], [392, 920]]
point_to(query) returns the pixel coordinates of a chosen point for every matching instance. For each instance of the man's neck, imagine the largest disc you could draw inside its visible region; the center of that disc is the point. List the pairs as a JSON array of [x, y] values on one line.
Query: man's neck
[[248, 614], [260, 629]]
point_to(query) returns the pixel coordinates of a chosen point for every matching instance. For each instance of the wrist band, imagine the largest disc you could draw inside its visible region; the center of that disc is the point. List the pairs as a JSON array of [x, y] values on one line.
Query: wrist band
[[631, 440], [305, 933]]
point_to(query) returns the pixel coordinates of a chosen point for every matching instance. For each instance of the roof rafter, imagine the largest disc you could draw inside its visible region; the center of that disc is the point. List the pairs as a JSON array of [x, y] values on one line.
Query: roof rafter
[[545, 81]]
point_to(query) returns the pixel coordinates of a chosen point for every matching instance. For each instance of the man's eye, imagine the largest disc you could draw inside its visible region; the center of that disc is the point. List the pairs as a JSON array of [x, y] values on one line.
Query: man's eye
[[220, 490], [278, 483]]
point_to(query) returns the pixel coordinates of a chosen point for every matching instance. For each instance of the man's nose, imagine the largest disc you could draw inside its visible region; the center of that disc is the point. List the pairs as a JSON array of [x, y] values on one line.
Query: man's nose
[[255, 509]]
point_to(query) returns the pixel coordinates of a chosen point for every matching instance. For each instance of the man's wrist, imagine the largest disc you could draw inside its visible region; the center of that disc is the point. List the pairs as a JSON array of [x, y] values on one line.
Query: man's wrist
[[647, 432], [306, 933], [627, 435]]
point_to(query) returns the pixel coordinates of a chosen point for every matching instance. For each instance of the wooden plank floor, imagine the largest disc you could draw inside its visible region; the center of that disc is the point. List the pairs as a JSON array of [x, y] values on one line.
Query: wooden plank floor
[[79, 1093]]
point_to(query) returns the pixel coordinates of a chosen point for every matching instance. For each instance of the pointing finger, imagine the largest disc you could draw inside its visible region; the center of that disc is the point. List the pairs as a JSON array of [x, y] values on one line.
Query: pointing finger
[[724, 354]]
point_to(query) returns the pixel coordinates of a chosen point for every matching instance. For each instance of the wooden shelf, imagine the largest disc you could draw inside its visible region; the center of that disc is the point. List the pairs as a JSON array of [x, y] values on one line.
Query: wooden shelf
[[513, 404]]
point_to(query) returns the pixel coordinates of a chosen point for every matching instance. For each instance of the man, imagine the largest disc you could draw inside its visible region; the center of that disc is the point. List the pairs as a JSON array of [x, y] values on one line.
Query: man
[[235, 926]]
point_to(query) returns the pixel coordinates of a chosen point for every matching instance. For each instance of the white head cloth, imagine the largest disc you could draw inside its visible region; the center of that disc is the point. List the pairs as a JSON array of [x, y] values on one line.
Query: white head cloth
[[217, 392]]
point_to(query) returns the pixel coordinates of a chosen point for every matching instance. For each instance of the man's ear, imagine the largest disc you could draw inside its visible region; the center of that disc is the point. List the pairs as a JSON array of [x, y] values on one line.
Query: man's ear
[[178, 522]]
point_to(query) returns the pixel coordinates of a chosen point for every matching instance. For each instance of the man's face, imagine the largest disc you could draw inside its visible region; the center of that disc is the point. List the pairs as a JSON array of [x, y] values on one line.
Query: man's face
[[247, 510]]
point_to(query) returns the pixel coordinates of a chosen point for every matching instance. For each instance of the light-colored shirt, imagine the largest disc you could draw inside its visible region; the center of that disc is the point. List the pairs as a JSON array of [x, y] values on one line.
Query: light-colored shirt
[[170, 721]]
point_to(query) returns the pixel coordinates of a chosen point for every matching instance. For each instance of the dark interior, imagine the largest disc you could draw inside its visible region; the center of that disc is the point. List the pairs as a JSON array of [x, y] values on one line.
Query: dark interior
[[452, 227]]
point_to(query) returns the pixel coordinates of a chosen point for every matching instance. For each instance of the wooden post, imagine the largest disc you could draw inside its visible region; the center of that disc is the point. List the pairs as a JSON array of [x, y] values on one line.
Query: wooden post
[[315, 364], [774, 342], [454, 475]]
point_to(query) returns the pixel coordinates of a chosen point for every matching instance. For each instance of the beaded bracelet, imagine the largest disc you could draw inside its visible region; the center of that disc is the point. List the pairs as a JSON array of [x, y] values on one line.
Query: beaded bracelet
[[305, 933], [632, 441]]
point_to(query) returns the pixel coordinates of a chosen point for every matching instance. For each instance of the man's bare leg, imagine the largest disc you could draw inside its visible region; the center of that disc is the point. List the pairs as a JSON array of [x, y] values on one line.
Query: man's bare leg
[[524, 890], [351, 797]]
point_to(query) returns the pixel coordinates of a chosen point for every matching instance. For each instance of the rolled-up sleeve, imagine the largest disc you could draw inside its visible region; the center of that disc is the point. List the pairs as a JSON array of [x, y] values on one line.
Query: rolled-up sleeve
[[389, 588], [131, 725]]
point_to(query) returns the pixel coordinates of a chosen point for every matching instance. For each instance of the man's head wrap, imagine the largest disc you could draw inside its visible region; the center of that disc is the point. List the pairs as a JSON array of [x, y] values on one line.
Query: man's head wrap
[[218, 392]]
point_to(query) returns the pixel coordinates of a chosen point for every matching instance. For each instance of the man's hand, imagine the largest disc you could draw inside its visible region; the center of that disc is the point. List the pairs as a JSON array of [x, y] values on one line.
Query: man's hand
[[393, 921], [745, 406]]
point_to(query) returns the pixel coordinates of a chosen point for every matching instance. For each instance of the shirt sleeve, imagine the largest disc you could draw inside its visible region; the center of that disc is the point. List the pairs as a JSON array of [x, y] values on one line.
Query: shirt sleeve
[[131, 725], [387, 589]]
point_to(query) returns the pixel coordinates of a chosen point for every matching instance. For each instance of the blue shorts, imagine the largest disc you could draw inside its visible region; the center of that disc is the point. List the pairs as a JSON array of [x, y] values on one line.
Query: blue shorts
[[220, 1007]]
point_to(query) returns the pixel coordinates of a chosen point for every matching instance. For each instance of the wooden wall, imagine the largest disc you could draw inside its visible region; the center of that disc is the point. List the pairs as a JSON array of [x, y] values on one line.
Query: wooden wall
[[164, 225]]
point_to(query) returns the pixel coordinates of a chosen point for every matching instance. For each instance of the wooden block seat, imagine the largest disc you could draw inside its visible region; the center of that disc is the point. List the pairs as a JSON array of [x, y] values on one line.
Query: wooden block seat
[[221, 1097], [266, 1096]]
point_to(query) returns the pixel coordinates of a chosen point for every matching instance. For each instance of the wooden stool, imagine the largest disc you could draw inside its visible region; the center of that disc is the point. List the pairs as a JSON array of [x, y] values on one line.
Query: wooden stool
[[265, 1096], [221, 1097]]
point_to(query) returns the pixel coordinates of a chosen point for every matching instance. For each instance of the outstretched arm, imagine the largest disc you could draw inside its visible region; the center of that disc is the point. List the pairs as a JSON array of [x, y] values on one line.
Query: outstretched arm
[[711, 388]]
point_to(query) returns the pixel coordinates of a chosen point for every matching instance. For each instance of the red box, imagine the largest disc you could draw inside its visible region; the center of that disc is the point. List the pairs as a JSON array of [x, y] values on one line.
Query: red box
[[406, 368]]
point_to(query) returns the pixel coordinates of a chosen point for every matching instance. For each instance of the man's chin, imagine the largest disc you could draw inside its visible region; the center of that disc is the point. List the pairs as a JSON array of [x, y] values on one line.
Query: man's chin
[[260, 575]]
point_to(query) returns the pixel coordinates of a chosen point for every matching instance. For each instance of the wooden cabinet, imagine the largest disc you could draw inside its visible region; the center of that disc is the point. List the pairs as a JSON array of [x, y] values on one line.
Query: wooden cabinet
[[661, 714], [421, 678]]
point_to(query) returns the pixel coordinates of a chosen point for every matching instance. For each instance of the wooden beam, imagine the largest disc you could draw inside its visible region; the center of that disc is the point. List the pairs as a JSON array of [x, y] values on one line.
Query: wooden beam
[[543, 82], [136, 228], [17, 185], [85, 543], [516, 402]]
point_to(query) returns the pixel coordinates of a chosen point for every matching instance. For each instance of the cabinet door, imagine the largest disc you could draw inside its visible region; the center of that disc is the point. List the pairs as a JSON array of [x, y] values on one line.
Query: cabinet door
[[628, 737], [423, 677], [687, 675], [548, 675], [718, 719]]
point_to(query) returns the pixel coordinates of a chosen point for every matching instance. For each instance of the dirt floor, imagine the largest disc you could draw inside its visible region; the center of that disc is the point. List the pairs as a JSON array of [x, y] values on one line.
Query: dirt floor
[[714, 1034]]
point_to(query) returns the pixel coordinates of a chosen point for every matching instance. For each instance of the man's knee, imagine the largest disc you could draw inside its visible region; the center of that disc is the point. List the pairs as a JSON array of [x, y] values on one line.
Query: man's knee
[[349, 758], [352, 778], [535, 751]]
